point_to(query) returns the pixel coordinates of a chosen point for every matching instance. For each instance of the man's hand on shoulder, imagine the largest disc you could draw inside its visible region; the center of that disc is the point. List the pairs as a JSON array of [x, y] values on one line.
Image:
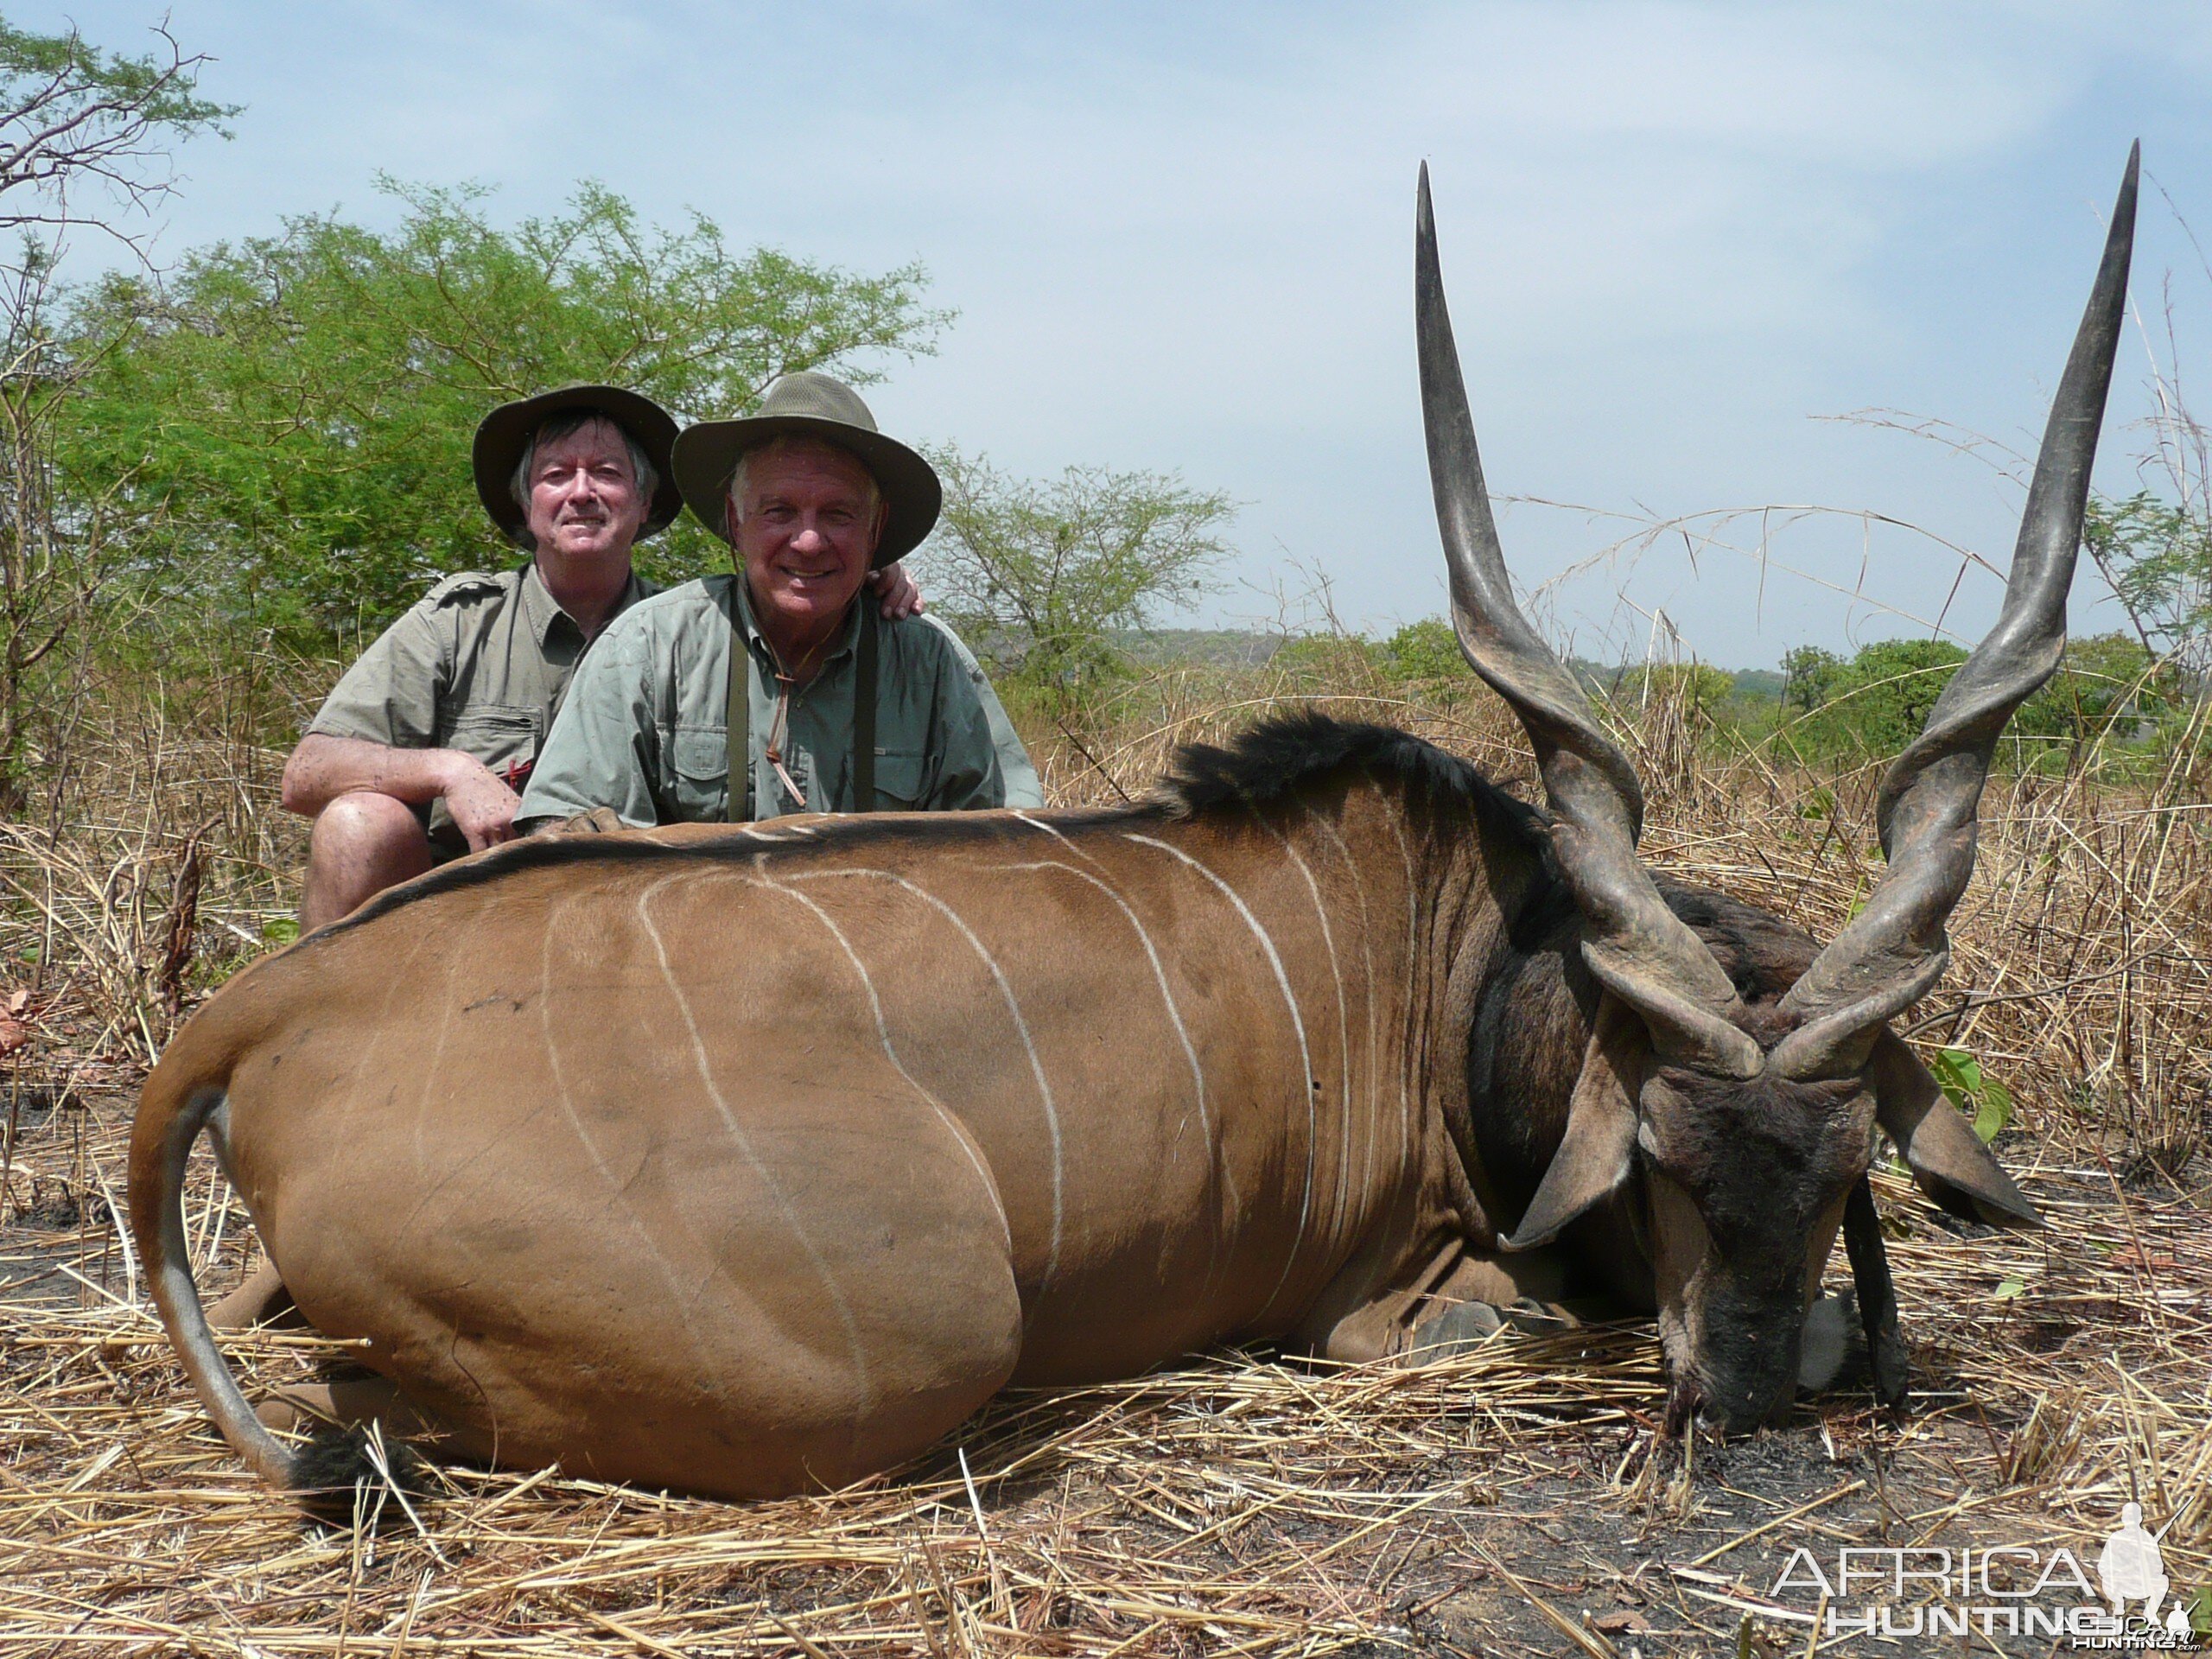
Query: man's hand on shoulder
[[482, 805], [896, 592]]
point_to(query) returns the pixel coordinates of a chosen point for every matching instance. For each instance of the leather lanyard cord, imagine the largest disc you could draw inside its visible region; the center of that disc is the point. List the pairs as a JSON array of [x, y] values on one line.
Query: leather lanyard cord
[[737, 802]]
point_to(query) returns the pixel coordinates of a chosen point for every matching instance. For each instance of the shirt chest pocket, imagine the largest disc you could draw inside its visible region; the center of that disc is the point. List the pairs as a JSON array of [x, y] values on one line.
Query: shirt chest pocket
[[902, 781], [699, 774], [503, 738]]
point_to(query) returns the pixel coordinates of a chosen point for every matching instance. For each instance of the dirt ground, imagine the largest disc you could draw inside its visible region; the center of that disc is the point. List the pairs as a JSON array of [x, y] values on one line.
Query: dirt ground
[[1511, 1501]]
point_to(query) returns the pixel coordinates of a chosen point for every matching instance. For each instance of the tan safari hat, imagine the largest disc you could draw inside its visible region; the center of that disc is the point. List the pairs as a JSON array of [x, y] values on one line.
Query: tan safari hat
[[806, 404], [503, 434]]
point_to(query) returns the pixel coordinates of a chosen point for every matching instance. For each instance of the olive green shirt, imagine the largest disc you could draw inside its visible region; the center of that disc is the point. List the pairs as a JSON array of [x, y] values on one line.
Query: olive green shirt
[[481, 664], [645, 727]]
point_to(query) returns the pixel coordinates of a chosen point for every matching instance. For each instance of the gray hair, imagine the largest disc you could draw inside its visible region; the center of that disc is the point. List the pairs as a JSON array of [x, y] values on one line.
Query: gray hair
[[734, 496], [567, 424]]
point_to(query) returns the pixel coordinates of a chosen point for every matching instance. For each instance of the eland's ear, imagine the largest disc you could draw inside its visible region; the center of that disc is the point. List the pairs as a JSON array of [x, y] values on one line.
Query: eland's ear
[[1878, 1292], [1599, 1151], [1950, 1166]]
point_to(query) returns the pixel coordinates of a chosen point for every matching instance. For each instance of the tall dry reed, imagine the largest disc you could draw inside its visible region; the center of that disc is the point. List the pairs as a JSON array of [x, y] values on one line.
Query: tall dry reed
[[1512, 1500]]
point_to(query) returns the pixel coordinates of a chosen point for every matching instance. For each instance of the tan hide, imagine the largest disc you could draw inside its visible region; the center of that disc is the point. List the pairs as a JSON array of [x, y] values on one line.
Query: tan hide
[[750, 1160]]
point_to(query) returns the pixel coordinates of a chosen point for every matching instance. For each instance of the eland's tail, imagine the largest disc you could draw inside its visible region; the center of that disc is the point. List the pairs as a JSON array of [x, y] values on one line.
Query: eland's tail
[[184, 1093]]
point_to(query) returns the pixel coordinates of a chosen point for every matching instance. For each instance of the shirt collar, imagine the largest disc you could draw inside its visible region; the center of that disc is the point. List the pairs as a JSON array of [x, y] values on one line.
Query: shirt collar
[[849, 631], [543, 610]]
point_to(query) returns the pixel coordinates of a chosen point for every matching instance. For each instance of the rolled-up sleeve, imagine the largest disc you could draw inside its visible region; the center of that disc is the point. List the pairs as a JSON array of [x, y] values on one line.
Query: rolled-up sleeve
[[603, 750], [391, 694]]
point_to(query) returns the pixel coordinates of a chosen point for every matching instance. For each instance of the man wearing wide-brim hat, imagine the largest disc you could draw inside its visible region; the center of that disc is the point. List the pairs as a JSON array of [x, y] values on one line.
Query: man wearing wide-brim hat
[[420, 753], [833, 708]]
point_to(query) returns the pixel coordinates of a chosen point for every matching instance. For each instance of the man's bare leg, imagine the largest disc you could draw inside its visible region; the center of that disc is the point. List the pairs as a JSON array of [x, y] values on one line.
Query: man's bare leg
[[362, 844]]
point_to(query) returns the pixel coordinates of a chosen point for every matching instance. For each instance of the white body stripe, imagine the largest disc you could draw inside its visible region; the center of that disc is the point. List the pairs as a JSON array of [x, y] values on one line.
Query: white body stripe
[[1343, 1036], [618, 1199], [891, 1054], [1367, 960], [744, 1143], [1216, 1164], [1021, 1025], [1405, 1034], [1298, 1024]]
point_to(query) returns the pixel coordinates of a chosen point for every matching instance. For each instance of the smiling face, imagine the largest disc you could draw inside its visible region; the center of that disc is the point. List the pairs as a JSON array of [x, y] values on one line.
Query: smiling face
[[584, 504], [808, 516]]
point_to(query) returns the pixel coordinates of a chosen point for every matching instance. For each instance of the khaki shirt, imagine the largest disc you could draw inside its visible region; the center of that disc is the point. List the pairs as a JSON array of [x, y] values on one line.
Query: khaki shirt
[[481, 666], [645, 727]]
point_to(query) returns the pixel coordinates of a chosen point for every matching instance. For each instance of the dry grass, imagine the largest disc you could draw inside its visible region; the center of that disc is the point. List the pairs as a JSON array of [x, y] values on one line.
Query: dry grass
[[1510, 1501]]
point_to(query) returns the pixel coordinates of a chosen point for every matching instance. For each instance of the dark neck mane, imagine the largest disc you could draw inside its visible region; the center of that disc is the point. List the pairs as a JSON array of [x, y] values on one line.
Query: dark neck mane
[[1285, 755]]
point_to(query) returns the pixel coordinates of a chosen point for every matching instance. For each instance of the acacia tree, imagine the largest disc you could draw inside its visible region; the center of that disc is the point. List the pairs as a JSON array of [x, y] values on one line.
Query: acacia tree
[[294, 413], [76, 121], [83, 143], [1040, 574], [2157, 556]]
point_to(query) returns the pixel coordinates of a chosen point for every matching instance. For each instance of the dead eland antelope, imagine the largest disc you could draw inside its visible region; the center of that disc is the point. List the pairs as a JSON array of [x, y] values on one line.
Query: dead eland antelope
[[745, 1160]]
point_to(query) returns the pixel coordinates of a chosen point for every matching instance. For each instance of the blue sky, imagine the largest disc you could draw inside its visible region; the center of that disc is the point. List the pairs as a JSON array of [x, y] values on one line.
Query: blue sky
[[1678, 238]]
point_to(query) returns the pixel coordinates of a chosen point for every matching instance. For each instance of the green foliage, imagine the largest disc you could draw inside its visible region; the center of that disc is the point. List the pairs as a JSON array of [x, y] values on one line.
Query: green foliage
[[81, 138], [1810, 677], [1699, 688], [58, 78], [2107, 686], [1040, 576], [1424, 653], [1966, 1087], [1331, 658], [73, 115], [1874, 704], [294, 412], [2157, 556]]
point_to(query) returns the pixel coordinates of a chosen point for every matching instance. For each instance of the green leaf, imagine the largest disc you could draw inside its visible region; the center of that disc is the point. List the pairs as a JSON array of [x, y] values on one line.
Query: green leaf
[[1966, 1087], [2008, 1289], [2200, 1612], [281, 930], [1994, 1112], [1959, 1075]]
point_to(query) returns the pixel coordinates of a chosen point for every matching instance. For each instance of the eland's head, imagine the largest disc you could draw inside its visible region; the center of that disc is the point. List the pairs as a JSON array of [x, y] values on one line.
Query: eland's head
[[1737, 1131]]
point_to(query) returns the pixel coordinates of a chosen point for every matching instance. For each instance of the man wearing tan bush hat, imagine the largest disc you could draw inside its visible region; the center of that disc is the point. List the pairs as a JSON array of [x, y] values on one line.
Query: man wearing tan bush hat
[[831, 709], [420, 753]]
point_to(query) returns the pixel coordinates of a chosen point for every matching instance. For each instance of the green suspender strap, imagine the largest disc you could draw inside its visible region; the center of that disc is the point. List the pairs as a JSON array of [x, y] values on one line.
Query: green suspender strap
[[739, 807], [740, 732], [864, 707]]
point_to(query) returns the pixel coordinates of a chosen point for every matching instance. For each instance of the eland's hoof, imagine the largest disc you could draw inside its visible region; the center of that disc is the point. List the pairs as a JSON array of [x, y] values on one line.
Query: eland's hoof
[[1456, 1329]]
